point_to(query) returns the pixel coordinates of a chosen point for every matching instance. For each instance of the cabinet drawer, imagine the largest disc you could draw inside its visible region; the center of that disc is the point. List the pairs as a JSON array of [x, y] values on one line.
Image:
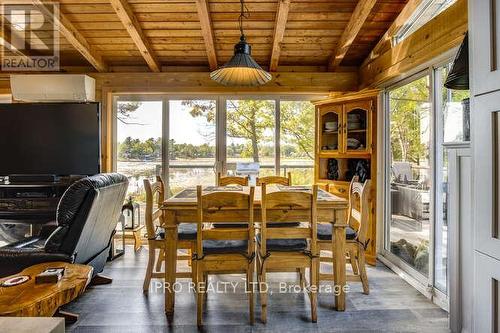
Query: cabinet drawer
[[340, 190]]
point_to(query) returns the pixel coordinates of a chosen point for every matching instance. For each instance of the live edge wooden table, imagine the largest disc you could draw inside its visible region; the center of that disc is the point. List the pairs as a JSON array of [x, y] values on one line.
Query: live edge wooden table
[[181, 208], [43, 300]]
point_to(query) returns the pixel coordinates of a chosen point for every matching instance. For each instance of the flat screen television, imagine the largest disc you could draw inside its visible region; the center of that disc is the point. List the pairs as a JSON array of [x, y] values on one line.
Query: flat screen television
[[50, 138]]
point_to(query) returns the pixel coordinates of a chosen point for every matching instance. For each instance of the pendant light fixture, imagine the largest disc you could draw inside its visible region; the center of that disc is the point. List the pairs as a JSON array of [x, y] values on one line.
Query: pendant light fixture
[[241, 70]]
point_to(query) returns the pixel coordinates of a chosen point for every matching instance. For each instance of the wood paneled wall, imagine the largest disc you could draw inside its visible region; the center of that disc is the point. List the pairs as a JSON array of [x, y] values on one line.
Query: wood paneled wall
[[438, 36]]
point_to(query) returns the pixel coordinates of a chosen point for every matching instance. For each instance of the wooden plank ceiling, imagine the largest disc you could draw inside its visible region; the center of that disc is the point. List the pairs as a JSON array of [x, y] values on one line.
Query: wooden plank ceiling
[[160, 33]]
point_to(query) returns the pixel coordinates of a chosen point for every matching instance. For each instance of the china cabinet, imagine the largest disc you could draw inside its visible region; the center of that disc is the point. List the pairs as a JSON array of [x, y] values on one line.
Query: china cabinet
[[345, 147]]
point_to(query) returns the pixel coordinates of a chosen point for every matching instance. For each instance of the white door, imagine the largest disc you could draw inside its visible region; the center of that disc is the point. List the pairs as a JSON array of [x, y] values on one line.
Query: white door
[[485, 85]]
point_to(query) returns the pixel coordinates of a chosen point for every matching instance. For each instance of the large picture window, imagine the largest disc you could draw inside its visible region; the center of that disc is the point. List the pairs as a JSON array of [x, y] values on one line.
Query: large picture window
[[188, 140]]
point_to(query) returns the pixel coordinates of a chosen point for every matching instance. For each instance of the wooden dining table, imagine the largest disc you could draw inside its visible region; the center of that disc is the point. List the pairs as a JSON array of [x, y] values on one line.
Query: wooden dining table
[[181, 208]]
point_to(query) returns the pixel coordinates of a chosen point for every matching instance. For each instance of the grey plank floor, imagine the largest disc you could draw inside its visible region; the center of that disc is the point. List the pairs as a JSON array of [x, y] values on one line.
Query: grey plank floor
[[392, 306]]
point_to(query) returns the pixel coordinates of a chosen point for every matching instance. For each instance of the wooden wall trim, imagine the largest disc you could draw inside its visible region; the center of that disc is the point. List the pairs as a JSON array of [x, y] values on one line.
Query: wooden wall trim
[[197, 82], [439, 35]]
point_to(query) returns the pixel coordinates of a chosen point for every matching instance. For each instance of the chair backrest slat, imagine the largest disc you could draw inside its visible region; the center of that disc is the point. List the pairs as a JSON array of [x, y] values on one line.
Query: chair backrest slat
[[286, 181], [296, 201], [231, 180], [155, 195], [359, 207], [220, 203]]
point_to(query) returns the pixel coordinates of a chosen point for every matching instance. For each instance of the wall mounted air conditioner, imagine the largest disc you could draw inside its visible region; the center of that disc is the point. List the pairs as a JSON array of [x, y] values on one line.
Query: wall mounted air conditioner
[[52, 88]]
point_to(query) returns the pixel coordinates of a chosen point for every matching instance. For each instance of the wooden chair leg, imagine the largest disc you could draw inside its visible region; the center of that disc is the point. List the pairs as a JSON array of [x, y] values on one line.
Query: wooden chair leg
[[137, 240], [313, 272], [263, 295], [199, 297], [160, 260], [302, 276], [205, 280], [354, 262], [194, 276], [250, 286], [149, 269], [362, 271]]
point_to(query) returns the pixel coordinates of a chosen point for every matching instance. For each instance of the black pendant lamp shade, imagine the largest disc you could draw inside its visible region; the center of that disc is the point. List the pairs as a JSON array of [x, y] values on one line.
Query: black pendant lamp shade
[[241, 70], [458, 78]]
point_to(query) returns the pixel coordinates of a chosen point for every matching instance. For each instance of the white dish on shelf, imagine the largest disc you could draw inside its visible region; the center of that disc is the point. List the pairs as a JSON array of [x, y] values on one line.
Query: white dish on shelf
[[353, 117], [353, 125], [332, 125]]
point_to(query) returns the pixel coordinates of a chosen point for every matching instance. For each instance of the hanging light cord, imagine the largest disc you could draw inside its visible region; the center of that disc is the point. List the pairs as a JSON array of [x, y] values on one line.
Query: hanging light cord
[[244, 14]]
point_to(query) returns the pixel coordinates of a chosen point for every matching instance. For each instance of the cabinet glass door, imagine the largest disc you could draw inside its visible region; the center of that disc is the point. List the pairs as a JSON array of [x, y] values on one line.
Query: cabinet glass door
[[356, 126], [331, 129]]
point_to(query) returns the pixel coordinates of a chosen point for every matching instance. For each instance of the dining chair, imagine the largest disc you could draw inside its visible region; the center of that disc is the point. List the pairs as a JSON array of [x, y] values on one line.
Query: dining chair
[[155, 195], [286, 181], [225, 250], [231, 180], [356, 234], [284, 249], [227, 181]]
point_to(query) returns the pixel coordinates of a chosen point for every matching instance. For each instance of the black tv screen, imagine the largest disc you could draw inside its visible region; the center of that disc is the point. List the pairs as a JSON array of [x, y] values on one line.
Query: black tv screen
[[49, 138]]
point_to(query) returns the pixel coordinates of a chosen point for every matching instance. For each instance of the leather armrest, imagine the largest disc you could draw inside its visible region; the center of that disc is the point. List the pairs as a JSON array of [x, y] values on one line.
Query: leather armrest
[[47, 229], [14, 260]]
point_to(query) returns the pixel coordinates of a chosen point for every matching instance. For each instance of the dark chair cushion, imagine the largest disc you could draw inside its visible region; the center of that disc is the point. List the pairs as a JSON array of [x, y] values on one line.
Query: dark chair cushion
[[282, 224], [325, 232], [270, 224], [186, 231], [230, 225], [211, 246], [285, 245]]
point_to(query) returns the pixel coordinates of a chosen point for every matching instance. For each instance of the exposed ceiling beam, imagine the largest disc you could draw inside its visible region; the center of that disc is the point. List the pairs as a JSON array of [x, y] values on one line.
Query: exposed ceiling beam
[[127, 16], [208, 34], [358, 18], [385, 41], [74, 37], [279, 32]]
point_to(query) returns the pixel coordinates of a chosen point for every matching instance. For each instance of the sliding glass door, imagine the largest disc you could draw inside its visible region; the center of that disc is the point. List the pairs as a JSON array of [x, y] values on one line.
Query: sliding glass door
[[423, 120], [411, 180]]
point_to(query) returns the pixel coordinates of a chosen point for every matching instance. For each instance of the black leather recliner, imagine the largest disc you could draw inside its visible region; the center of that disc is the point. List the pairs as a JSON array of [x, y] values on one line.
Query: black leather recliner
[[86, 219]]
